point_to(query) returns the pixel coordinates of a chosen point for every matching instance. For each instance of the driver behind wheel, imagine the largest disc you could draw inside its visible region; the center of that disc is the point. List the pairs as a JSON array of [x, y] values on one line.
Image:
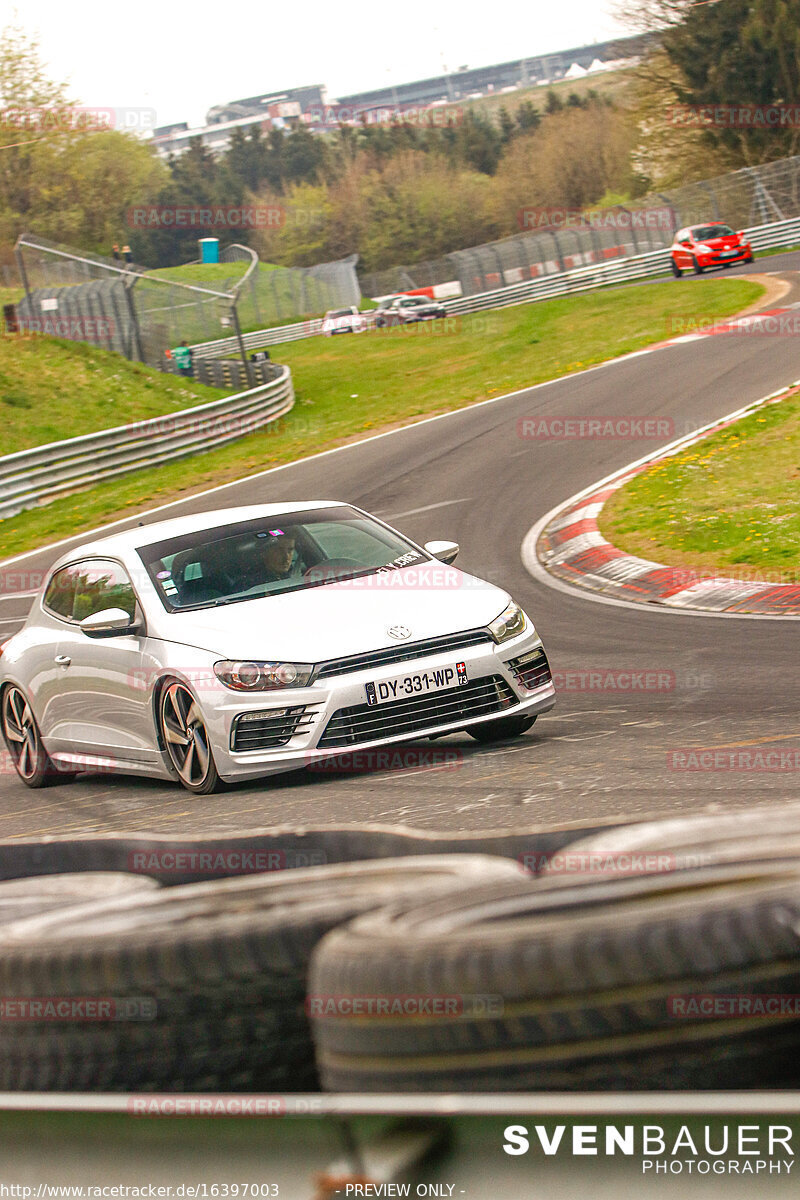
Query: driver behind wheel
[[276, 555]]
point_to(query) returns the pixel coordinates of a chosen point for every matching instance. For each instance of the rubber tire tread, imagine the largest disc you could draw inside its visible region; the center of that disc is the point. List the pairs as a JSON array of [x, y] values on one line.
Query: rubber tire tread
[[574, 971], [224, 965]]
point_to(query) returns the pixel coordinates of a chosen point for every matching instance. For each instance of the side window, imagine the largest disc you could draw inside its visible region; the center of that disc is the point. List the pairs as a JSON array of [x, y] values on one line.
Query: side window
[[101, 585], [89, 587], [60, 592]]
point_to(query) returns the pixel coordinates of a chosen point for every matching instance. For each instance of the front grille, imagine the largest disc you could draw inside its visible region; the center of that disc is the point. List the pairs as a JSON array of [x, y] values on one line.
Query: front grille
[[531, 670], [367, 723], [450, 643], [269, 729]]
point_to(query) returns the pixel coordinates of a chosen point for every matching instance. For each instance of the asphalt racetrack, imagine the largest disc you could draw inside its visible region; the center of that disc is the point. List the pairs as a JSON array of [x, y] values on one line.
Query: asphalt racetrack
[[608, 748]]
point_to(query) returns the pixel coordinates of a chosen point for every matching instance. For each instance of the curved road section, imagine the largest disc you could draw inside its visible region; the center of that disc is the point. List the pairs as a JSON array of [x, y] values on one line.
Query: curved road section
[[568, 544], [656, 712]]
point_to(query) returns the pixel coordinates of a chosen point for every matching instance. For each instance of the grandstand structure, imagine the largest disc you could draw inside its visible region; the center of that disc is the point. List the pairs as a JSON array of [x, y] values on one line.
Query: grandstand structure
[[303, 104]]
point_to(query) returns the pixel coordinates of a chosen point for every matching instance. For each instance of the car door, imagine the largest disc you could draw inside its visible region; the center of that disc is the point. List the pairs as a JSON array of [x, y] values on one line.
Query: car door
[[101, 707], [688, 249]]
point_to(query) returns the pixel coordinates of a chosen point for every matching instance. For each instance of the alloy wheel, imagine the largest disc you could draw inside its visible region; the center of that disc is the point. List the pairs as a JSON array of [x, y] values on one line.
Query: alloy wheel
[[186, 739], [21, 734]]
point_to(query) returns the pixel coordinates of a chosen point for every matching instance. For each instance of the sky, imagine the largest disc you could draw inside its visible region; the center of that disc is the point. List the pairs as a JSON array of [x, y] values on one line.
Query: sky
[[180, 59]]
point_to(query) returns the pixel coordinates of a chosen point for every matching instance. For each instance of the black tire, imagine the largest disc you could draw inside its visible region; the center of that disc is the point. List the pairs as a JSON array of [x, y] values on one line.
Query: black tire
[[676, 271], [753, 836], [175, 860], [184, 735], [578, 985], [218, 971], [749, 259], [24, 741], [500, 730], [698, 270], [26, 897]]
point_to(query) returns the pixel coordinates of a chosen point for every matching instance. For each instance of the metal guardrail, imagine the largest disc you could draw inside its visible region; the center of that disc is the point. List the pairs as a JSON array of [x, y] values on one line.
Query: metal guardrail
[[32, 477], [582, 279], [260, 338]]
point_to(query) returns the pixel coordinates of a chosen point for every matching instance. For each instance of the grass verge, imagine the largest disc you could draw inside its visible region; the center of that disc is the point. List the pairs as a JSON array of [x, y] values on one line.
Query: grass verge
[[727, 504], [51, 389], [351, 386]]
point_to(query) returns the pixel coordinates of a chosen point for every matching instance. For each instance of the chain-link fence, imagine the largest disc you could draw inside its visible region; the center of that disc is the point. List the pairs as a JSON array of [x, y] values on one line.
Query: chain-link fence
[[142, 314], [553, 240], [271, 295]]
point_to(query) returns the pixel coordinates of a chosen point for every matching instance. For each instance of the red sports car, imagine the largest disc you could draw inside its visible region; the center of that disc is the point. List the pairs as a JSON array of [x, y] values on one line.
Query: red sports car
[[711, 245]]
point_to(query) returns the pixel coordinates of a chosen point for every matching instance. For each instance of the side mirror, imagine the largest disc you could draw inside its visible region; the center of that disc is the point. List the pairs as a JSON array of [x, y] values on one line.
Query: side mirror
[[444, 551], [111, 622]]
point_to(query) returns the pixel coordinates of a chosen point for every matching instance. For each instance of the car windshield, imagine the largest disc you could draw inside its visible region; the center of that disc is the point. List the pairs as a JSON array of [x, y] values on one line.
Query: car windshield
[[702, 232], [271, 556]]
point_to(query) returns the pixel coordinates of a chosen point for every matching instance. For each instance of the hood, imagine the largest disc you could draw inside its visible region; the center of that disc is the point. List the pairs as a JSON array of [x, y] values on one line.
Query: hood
[[725, 242], [339, 619]]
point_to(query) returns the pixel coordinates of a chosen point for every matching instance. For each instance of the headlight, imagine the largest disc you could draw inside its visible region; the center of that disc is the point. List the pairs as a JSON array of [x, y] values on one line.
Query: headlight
[[262, 676], [510, 623], [703, 248]]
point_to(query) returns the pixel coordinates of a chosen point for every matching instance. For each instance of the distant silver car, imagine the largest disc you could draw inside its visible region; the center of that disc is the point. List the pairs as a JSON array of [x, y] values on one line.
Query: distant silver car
[[344, 320], [405, 310], [245, 642]]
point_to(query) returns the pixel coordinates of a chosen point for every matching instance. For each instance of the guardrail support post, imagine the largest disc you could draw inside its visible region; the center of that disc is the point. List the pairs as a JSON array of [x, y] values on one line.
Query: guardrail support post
[[127, 286], [245, 360], [23, 275]]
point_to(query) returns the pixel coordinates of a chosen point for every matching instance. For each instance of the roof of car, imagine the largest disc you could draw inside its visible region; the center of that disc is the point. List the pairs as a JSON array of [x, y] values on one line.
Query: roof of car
[[116, 544]]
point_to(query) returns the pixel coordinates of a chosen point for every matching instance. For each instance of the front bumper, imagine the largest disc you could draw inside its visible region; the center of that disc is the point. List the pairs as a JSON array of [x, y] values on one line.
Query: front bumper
[[720, 259], [496, 691]]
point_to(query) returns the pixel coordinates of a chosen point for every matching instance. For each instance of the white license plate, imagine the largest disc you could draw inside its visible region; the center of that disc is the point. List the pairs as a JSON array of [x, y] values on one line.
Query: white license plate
[[420, 683]]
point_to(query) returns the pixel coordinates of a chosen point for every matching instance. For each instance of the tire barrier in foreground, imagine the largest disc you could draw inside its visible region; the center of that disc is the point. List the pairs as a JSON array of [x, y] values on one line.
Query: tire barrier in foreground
[[656, 847], [655, 982], [26, 897], [201, 987], [175, 859]]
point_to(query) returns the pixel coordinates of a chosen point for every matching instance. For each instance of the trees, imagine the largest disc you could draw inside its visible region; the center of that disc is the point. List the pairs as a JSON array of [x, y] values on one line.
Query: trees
[[413, 188], [571, 160], [739, 59], [67, 178], [741, 53]]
